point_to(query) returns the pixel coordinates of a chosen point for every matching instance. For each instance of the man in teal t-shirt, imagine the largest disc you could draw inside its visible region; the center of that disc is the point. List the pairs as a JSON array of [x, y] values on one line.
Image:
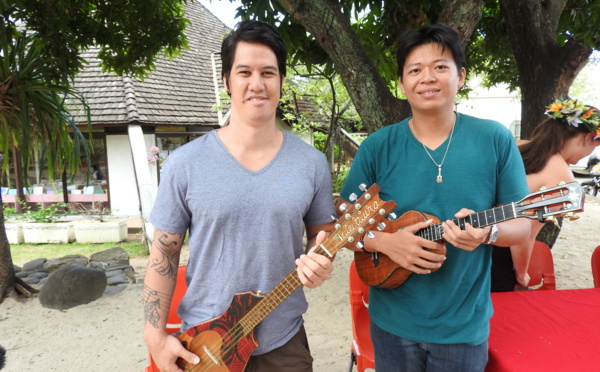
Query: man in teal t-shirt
[[447, 165]]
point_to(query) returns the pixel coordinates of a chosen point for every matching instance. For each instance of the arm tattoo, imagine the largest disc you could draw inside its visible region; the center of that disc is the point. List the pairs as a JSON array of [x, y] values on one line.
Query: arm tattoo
[[152, 301], [169, 247]]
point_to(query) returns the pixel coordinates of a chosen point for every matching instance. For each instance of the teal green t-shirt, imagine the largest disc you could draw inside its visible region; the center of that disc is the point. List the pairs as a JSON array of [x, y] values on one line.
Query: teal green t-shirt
[[483, 168]]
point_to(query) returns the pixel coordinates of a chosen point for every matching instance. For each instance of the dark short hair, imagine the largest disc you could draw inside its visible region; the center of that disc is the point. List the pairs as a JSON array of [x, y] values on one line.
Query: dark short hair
[[439, 34], [251, 31]]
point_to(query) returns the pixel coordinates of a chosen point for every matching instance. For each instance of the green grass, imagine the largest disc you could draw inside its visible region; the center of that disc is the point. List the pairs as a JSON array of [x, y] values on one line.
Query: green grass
[[22, 253]]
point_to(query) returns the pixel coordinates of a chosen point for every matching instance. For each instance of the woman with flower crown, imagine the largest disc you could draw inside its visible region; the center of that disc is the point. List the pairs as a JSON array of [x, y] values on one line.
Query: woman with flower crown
[[570, 133]]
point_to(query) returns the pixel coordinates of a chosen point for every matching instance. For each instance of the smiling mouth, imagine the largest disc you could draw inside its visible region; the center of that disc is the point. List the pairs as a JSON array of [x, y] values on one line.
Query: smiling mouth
[[430, 92]]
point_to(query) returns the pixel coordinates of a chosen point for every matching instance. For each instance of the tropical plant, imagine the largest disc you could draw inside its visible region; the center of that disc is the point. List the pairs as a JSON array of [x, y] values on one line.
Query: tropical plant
[[34, 113], [37, 70]]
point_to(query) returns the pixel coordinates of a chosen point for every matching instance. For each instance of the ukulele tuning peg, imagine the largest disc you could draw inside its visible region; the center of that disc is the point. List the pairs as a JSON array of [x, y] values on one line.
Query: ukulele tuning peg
[[348, 216], [381, 226], [362, 187], [370, 235], [360, 244], [353, 197], [392, 216], [343, 207], [372, 221], [334, 217]]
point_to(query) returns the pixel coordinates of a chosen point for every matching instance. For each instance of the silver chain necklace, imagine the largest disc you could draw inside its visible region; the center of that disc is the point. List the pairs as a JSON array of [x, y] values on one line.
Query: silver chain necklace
[[439, 178]]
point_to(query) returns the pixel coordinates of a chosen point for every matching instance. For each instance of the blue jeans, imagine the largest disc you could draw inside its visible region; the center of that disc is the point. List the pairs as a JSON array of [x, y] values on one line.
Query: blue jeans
[[393, 354]]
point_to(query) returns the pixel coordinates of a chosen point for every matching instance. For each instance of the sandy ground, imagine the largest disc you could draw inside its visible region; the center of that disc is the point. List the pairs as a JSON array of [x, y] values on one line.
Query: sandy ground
[[106, 335]]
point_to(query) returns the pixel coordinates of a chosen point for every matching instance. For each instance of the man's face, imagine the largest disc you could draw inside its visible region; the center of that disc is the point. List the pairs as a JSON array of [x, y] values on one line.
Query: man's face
[[431, 79], [254, 83]]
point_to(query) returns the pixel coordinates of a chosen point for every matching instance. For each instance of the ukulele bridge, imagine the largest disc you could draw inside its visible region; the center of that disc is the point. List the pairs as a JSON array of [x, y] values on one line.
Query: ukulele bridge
[[214, 359]]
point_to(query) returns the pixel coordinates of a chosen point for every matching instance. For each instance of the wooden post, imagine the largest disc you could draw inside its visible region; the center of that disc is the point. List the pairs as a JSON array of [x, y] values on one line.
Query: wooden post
[[18, 180]]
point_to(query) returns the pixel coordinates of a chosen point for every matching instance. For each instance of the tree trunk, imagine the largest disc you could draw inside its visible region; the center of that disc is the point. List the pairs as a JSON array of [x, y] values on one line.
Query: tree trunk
[[463, 16], [374, 102], [546, 70], [20, 198], [549, 233], [10, 285], [7, 271]]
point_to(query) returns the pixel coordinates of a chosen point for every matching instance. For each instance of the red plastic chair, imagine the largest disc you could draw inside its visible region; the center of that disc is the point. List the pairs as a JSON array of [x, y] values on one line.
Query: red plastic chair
[[541, 267], [596, 267], [361, 351], [173, 320]]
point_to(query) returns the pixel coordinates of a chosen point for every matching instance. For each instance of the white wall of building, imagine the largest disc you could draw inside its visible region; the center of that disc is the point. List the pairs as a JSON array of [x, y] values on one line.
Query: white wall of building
[[495, 103], [123, 193]]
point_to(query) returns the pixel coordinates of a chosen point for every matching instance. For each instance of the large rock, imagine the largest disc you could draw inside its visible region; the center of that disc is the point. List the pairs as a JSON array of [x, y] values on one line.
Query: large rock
[[34, 265], [71, 259], [72, 285], [116, 256]]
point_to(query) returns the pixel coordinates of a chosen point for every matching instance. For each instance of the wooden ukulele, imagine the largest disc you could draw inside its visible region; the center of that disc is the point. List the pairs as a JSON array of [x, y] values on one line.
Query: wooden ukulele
[[225, 343], [378, 270]]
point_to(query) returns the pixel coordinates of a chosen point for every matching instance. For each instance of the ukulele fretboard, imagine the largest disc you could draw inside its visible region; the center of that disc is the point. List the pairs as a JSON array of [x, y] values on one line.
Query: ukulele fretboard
[[480, 219]]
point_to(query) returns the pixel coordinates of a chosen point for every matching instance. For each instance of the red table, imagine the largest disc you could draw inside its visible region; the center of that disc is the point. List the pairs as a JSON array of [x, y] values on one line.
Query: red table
[[545, 330]]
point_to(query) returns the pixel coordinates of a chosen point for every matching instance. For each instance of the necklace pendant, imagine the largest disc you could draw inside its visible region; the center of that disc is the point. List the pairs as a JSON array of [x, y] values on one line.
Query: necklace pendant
[[439, 178]]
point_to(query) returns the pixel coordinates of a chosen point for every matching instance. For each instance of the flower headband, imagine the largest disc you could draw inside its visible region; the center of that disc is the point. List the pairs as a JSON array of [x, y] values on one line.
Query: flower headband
[[573, 112]]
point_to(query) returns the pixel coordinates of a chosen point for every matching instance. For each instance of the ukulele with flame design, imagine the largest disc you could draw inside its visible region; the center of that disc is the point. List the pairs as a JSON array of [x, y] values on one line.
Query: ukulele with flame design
[[226, 342]]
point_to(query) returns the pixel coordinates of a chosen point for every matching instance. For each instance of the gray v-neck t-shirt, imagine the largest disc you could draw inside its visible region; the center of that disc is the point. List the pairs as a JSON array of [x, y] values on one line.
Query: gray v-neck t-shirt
[[245, 228]]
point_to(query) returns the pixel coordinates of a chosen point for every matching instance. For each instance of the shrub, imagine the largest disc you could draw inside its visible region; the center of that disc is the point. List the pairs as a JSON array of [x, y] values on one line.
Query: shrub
[[45, 215], [9, 212]]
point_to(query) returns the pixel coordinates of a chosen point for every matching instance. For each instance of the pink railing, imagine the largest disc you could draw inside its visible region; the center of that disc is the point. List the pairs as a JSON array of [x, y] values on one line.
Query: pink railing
[[46, 199]]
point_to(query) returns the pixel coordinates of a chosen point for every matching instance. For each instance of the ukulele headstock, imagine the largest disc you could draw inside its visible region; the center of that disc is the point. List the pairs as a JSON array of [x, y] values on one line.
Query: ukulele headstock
[[366, 213], [562, 200]]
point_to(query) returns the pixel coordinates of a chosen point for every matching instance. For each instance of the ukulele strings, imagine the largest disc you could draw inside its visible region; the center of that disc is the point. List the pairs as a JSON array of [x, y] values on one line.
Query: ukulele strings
[[232, 337]]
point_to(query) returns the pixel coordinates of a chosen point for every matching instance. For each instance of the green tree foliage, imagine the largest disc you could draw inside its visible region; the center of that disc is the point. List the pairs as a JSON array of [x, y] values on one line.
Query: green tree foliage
[[318, 102], [129, 33]]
